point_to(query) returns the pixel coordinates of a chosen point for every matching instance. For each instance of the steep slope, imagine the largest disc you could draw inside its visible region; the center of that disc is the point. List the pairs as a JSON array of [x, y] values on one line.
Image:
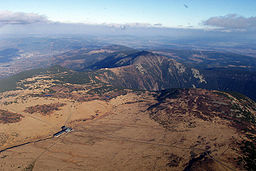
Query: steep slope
[[148, 71], [231, 80], [222, 70]]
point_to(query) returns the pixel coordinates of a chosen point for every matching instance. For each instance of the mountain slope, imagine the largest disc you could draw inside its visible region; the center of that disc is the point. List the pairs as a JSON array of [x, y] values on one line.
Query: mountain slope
[[148, 71], [231, 80]]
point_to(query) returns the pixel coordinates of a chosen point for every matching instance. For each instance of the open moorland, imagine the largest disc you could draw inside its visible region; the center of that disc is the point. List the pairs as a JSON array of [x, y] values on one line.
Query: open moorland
[[122, 129]]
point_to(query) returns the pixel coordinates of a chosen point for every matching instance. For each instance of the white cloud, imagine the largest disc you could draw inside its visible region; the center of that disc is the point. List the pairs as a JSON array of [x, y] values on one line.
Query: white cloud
[[21, 18], [232, 22]]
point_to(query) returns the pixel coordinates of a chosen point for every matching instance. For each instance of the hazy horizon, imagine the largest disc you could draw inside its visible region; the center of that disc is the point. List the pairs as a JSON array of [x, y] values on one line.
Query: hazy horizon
[[174, 18]]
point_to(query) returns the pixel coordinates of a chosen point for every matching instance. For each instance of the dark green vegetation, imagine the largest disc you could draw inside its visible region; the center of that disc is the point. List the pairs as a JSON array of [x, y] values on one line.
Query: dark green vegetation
[[73, 77], [243, 114], [105, 73], [11, 82], [210, 105], [223, 71], [235, 80]]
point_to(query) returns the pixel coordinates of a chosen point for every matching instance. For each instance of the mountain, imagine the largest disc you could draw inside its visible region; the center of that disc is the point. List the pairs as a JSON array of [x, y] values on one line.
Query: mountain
[[147, 71], [142, 70], [222, 70]]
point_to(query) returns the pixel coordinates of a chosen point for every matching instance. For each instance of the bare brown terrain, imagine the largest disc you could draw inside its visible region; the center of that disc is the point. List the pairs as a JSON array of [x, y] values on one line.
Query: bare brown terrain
[[183, 129]]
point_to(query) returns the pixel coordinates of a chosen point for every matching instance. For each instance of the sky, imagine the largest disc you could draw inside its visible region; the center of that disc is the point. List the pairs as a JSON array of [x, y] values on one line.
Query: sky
[[225, 15], [169, 13]]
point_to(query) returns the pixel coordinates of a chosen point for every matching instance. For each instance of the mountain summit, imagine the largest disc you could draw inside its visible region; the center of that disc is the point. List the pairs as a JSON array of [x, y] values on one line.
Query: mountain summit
[[148, 71]]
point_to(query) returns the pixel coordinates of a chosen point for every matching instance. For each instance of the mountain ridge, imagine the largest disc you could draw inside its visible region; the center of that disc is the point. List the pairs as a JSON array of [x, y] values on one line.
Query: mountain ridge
[[128, 68]]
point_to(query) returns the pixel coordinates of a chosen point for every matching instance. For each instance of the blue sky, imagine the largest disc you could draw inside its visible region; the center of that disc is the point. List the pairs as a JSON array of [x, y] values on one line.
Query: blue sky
[[169, 13]]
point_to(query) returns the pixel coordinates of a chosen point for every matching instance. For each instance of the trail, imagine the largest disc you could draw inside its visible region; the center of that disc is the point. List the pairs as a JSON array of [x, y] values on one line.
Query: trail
[[56, 141], [43, 139], [29, 142]]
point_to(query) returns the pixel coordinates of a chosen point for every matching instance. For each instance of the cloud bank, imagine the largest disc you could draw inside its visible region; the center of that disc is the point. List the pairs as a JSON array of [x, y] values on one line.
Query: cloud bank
[[20, 23], [232, 22], [21, 18]]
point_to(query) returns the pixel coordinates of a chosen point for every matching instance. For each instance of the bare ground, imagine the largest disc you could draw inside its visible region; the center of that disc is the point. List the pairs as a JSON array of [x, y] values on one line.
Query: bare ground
[[115, 135]]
